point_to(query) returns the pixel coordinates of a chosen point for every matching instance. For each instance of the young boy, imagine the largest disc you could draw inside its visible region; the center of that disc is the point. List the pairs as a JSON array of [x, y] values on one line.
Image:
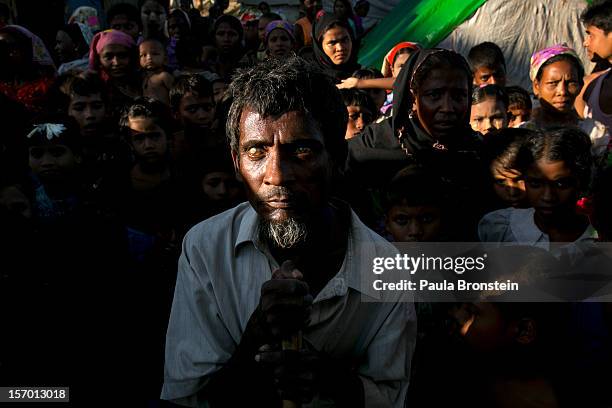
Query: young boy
[[488, 64], [361, 111], [519, 106], [157, 82], [596, 98]]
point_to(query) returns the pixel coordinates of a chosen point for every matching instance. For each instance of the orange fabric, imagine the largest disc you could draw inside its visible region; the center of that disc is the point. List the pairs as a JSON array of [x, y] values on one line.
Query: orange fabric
[[306, 29]]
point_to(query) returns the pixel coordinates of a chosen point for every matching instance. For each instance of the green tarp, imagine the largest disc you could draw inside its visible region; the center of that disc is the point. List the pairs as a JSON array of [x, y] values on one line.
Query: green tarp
[[427, 22]]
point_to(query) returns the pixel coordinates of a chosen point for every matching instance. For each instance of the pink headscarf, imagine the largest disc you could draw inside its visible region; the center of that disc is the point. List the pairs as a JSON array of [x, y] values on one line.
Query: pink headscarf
[[540, 57], [104, 38]]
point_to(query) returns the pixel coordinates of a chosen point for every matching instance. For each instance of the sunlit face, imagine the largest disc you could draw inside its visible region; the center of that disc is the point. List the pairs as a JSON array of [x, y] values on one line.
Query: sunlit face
[[552, 189], [508, 186], [517, 115], [558, 86], [280, 43], [90, 113], [488, 115], [490, 75], [284, 165], [115, 60], [152, 55], [399, 62], [442, 103], [598, 42], [408, 223], [121, 23], [358, 118], [337, 45]]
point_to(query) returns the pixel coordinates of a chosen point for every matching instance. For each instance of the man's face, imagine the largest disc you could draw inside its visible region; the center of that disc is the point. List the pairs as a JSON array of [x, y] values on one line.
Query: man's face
[[442, 103], [148, 140], [284, 165], [115, 60], [52, 163], [598, 42], [358, 118], [488, 115], [89, 111], [196, 111], [409, 223], [121, 23], [490, 75]]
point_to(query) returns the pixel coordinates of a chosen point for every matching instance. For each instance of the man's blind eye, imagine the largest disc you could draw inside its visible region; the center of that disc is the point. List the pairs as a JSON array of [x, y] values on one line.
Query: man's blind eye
[[255, 152]]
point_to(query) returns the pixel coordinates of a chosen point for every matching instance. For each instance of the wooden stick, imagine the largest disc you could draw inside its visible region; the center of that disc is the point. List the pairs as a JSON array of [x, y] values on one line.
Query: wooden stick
[[294, 343]]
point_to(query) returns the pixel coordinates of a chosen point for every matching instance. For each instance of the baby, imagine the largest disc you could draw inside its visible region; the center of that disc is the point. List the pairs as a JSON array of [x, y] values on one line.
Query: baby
[[157, 82]]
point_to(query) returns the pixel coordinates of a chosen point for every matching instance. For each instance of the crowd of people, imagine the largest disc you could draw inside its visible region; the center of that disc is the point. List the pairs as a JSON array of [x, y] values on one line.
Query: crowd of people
[[122, 137]]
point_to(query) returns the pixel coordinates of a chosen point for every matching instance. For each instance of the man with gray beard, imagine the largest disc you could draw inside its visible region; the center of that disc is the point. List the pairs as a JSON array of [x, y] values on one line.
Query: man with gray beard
[[286, 264]]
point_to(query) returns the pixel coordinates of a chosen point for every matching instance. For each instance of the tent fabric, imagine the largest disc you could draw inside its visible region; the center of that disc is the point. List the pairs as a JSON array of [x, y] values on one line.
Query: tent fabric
[[424, 21], [520, 28]]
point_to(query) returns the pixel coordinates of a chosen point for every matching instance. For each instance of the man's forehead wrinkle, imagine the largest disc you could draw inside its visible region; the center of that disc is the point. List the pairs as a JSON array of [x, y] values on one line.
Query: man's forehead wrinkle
[[260, 127]]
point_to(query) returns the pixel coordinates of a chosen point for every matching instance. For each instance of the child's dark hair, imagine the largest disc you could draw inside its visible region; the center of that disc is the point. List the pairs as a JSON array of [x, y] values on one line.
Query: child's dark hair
[[567, 144], [503, 146], [155, 39], [162, 3], [486, 54], [87, 84], [367, 73], [56, 128], [598, 14], [414, 187], [356, 97], [143, 107], [441, 59], [124, 9], [562, 57], [518, 97], [194, 83], [480, 93]]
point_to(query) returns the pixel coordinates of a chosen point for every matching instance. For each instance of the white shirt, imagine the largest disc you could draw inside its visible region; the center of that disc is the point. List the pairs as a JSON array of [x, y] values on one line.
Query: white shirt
[[221, 270]]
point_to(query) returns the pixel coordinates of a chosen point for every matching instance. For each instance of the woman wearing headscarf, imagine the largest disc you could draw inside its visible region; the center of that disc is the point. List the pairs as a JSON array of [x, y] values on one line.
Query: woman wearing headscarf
[[557, 77], [429, 129], [334, 46], [113, 55], [72, 47], [279, 39], [26, 68]]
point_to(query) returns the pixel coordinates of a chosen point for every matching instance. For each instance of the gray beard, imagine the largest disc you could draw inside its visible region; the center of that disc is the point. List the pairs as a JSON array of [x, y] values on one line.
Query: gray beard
[[284, 235]]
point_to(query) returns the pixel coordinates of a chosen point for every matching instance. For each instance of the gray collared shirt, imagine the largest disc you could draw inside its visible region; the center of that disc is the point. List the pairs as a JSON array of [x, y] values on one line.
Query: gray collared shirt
[[221, 270]]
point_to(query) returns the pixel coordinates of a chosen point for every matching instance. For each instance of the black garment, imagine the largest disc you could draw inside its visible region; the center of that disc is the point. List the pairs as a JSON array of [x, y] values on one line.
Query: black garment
[[337, 72]]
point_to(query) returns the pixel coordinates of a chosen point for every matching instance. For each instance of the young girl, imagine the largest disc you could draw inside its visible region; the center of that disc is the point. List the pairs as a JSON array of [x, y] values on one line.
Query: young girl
[[500, 150], [556, 167], [489, 109], [157, 82]]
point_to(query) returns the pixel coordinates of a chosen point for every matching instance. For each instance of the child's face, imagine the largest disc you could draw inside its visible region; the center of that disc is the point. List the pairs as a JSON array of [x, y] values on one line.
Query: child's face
[[152, 55], [148, 140], [279, 43], [121, 23], [488, 115], [358, 118], [115, 60], [490, 75], [558, 87], [196, 111], [220, 186], [552, 189], [219, 88], [399, 62], [517, 115], [508, 186], [52, 163], [89, 111], [414, 223], [153, 15], [598, 42]]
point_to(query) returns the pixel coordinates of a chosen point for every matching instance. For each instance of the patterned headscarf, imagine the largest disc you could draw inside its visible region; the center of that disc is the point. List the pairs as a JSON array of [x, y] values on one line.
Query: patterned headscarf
[[283, 25], [40, 53], [388, 61], [86, 15], [539, 58]]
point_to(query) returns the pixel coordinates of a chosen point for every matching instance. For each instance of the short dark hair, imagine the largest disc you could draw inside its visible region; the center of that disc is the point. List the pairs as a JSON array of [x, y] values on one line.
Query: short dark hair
[[503, 146], [193, 83], [143, 107], [367, 73], [357, 97], [519, 97], [414, 187], [598, 14], [567, 144], [480, 93], [275, 87], [126, 9], [87, 83], [486, 54], [562, 57]]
